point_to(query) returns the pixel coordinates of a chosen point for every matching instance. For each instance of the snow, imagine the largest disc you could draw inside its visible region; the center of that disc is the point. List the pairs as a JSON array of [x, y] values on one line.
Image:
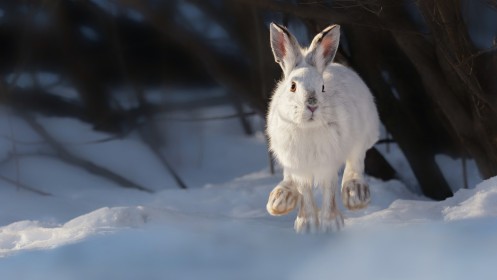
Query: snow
[[90, 228], [480, 202]]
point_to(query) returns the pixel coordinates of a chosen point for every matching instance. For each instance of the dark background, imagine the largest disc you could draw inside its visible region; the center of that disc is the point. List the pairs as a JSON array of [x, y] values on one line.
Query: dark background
[[431, 65]]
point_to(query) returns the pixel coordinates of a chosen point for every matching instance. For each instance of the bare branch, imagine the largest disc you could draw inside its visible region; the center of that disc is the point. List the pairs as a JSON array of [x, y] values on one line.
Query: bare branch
[[157, 152], [89, 166], [20, 185]]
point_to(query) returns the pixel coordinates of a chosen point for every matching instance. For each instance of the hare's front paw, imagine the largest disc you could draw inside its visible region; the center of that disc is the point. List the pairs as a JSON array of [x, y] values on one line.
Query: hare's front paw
[[306, 224], [282, 200], [355, 194], [330, 222]]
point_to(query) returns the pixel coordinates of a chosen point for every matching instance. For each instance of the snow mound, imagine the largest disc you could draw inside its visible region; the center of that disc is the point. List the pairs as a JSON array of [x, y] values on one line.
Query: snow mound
[[27, 235], [480, 202]]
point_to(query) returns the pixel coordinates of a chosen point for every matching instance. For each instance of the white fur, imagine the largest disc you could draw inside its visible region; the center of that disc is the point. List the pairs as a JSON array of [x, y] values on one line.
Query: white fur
[[343, 127]]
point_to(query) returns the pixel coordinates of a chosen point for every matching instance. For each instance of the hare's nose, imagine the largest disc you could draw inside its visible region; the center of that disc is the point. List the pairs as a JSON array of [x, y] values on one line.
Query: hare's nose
[[312, 101], [312, 108]]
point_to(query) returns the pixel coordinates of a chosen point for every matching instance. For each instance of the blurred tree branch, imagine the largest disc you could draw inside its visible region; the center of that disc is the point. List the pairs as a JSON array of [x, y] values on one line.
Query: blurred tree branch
[[20, 185], [68, 157]]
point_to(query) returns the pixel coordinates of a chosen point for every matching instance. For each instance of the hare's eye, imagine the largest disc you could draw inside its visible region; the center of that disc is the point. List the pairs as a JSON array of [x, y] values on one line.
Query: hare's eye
[[293, 88], [322, 90]]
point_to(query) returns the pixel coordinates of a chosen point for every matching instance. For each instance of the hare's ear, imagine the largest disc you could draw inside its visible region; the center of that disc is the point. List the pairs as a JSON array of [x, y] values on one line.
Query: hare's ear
[[324, 47], [286, 49]]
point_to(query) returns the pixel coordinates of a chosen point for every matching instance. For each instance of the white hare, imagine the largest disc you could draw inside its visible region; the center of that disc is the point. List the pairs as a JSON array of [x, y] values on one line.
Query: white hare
[[321, 116]]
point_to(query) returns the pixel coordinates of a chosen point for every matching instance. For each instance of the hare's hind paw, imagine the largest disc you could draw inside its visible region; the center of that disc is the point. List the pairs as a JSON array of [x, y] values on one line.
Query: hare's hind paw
[[282, 200], [355, 194], [331, 222], [306, 225]]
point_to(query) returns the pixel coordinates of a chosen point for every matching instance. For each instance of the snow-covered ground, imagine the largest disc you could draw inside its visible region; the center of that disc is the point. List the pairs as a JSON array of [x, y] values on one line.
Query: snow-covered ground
[[90, 228]]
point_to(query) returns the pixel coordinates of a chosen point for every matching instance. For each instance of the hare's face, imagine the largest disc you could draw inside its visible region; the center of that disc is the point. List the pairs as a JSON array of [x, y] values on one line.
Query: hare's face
[[302, 97], [302, 94]]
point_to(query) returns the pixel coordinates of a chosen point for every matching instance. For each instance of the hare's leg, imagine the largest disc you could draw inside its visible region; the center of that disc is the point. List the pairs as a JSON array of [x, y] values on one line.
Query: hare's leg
[[330, 218], [283, 198], [307, 218], [355, 190]]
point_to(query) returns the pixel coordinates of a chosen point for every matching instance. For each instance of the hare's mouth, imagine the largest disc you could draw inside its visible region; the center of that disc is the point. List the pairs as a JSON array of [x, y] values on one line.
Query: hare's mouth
[[312, 117], [312, 109]]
